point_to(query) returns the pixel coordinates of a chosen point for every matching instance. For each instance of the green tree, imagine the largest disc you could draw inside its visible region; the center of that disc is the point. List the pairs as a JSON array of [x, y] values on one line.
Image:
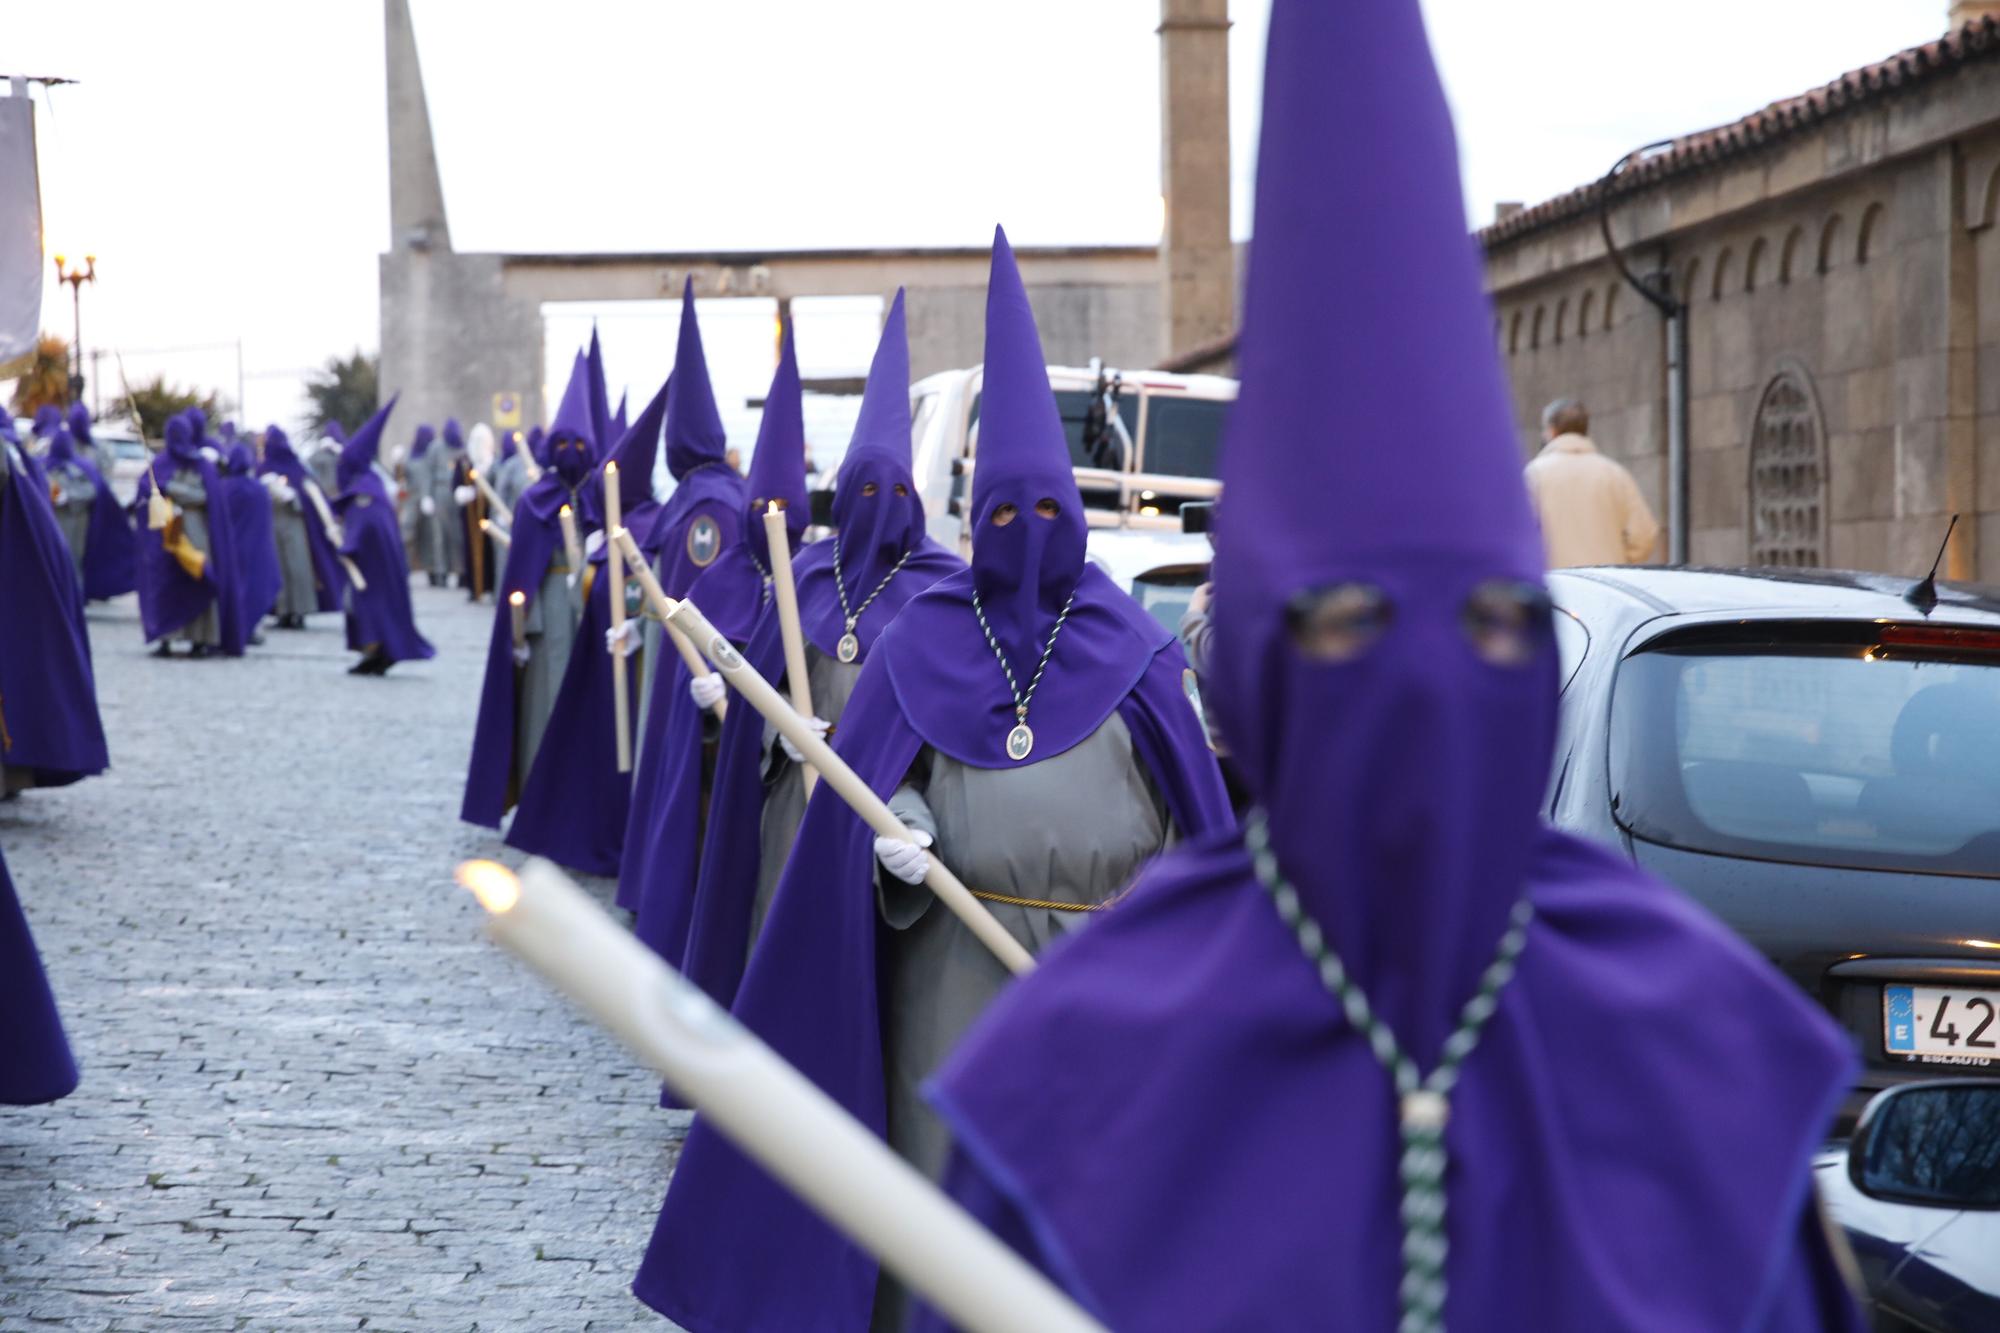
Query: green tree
[[156, 400], [344, 391], [46, 381]]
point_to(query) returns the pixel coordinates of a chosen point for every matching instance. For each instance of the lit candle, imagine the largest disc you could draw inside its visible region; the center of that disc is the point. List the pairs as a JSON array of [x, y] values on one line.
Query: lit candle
[[614, 568], [571, 546], [764, 1106], [780, 546], [517, 607]]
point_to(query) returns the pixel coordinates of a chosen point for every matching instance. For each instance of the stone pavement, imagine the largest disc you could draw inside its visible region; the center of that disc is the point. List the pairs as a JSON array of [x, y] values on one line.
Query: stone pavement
[[314, 1096]]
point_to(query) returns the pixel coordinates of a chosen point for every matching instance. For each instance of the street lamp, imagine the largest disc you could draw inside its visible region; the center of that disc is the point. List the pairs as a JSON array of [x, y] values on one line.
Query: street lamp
[[76, 277]]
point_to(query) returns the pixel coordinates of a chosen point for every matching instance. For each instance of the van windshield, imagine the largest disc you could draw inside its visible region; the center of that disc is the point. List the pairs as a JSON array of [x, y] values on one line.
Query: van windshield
[[1184, 436], [1824, 756]]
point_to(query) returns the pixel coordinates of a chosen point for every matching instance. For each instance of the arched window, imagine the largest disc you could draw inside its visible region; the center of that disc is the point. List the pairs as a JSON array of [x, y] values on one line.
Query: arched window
[[1724, 263], [1535, 331], [1788, 258], [1584, 310], [1514, 334], [1753, 266], [1829, 243], [1562, 319], [1690, 279], [1866, 242], [1989, 208], [1610, 305], [1788, 481]]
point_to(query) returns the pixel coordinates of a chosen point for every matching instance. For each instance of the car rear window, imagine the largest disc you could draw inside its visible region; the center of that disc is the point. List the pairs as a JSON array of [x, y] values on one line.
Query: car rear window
[[1845, 754], [1184, 435]]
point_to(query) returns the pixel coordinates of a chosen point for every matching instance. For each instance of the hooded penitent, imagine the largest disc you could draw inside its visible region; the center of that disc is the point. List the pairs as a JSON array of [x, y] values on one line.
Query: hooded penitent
[[170, 595], [379, 617], [1621, 1147], [256, 546], [110, 560], [35, 1061], [618, 423], [731, 592], [574, 801], [732, 1250], [281, 460], [884, 559], [48, 694], [493, 781], [601, 426], [420, 444]]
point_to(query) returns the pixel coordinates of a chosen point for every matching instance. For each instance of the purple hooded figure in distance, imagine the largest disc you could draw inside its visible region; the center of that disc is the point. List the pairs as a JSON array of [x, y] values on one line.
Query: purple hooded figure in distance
[[860, 978], [850, 588], [732, 592], [524, 670], [95, 526], [1399, 1056], [50, 734], [693, 526], [190, 571], [573, 803], [381, 625], [256, 545], [308, 557], [35, 1061]]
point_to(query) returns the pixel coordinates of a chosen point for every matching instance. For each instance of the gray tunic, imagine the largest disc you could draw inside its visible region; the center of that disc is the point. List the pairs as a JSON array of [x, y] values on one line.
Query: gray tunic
[[450, 517], [76, 491], [510, 477], [186, 489], [784, 785], [1072, 828], [300, 594], [552, 622], [426, 530], [325, 465]]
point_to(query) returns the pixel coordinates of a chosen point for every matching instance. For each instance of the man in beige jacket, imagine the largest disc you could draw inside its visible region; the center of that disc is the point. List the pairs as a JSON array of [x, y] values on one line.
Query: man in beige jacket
[[1590, 508]]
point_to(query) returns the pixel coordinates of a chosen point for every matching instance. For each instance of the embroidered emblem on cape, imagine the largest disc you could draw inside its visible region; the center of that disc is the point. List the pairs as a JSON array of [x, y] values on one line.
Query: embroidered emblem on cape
[[704, 541]]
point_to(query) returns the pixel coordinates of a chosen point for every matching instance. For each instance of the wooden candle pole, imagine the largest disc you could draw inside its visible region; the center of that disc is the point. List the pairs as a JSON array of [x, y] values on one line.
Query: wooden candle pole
[[787, 592], [614, 566]]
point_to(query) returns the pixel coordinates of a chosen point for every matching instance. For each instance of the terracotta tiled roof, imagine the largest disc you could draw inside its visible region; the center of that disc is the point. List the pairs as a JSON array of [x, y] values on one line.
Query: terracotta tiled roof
[[1977, 41]]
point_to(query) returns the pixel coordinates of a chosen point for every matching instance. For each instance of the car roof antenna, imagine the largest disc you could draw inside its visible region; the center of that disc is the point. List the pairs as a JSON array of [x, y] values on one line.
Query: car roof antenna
[[1923, 595]]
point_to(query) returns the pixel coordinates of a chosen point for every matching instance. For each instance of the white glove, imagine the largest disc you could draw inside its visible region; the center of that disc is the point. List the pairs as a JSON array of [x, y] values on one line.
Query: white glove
[[211, 453], [706, 690], [818, 724], [907, 861], [464, 495], [426, 506], [521, 654], [624, 640], [593, 543]]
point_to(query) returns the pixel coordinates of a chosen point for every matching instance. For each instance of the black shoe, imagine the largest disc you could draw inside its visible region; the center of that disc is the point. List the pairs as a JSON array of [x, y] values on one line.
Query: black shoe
[[166, 649], [199, 650], [374, 664], [256, 638]]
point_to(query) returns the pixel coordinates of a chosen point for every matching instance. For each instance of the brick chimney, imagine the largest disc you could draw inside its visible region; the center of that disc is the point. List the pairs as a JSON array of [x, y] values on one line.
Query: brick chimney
[[1963, 12]]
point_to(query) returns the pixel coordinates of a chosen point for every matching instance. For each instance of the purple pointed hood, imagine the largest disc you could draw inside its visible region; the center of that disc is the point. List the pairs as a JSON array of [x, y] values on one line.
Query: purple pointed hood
[[778, 463], [180, 440], [1027, 568], [572, 441], [510, 440], [876, 529], [278, 451], [62, 447], [48, 420], [602, 433], [637, 448], [79, 425], [618, 421], [336, 432], [421, 443], [454, 438], [695, 437], [359, 454]]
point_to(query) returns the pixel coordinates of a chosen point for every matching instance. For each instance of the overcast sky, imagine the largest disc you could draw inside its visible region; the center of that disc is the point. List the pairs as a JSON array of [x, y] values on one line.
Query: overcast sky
[[226, 159]]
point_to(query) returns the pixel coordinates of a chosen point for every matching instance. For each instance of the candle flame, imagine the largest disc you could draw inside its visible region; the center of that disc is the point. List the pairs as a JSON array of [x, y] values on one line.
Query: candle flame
[[777, 507], [517, 598], [611, 468], [486, 525], [564, 511], [492, 883]]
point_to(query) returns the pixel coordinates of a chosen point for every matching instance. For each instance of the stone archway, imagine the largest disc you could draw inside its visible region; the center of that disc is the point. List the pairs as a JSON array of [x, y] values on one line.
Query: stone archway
[[1788, 474]]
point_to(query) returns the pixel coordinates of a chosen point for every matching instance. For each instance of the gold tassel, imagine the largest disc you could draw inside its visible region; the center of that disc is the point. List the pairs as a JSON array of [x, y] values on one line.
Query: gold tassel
[[174, 541]]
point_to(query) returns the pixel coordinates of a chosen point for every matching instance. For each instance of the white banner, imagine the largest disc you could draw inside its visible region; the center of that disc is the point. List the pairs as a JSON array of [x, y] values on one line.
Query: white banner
[[20, 234]]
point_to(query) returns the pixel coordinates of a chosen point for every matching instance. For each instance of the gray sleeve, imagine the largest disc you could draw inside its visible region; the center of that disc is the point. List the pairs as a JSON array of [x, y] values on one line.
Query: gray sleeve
[[903, 905], [1196, 629], [187, 490]]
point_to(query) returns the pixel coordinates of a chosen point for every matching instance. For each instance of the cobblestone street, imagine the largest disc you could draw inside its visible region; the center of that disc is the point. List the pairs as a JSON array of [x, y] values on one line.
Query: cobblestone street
[[314, 1096]]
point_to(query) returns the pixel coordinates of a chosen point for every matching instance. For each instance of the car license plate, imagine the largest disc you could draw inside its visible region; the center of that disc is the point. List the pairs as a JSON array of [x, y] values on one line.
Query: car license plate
[[1941, 1024]]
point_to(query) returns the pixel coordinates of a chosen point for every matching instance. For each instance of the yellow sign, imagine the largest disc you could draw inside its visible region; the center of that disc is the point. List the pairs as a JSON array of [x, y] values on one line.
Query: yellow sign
[[506, 410]]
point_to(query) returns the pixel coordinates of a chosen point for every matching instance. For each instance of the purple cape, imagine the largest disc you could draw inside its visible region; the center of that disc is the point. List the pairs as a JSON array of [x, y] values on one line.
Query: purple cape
[[574, 801], [48, 692], [281, 460], [380, 616], [718, 924], [733, 1251], [249, 507], [1622, 1149], [35, 1061], [168, 598], [109, 556]]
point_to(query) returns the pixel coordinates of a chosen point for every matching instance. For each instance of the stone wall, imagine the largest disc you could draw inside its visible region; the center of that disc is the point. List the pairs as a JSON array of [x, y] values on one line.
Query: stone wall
[[452, 338], [1844, 336]]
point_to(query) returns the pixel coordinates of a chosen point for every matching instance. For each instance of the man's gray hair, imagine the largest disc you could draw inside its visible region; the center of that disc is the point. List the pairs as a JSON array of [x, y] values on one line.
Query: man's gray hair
[[1566, 416]]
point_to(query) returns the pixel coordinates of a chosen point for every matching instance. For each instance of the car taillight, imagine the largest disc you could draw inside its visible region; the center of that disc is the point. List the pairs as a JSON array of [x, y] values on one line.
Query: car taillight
[[1954, 639]]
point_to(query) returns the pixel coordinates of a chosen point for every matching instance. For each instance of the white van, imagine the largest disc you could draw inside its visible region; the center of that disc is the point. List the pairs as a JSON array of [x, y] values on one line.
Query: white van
[[1143, 443]]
